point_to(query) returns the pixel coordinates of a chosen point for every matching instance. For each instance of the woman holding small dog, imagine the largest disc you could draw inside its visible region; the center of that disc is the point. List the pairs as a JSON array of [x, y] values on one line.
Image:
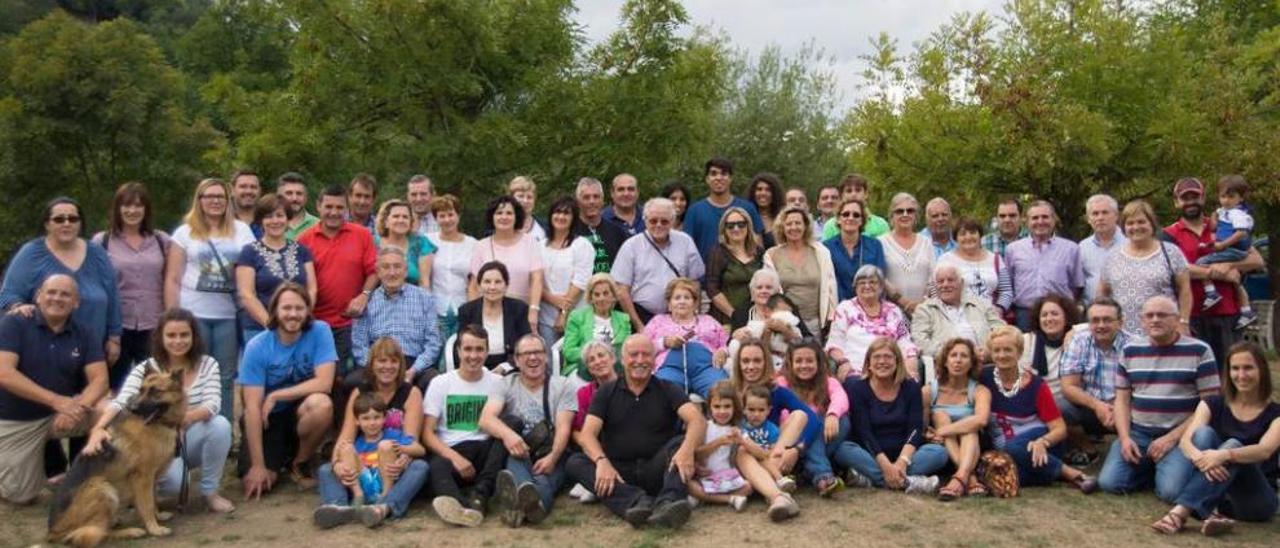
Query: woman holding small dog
[[177, 346]]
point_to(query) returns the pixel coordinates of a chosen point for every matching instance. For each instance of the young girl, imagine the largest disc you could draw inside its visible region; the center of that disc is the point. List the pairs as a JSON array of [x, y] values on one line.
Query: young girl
[[806, 375], [717, 480], [759, 435]]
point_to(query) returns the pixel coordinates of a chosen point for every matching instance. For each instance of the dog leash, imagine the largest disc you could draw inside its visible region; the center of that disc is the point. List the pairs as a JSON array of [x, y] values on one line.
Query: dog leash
[[185, 484]]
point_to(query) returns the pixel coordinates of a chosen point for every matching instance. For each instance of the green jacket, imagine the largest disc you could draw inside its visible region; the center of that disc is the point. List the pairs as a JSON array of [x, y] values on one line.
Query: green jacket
[[579, 329]]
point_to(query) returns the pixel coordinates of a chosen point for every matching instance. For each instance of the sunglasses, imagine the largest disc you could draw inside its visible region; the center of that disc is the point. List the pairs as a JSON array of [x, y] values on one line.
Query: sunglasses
[[735, 225], [65, 219], [905, 211]]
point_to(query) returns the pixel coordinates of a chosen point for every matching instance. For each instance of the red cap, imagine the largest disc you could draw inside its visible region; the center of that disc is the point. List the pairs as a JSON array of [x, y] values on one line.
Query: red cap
[[1189, 184]]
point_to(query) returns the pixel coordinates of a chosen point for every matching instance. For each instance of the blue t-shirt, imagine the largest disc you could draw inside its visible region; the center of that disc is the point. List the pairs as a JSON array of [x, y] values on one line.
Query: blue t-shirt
[[272, 365], [764, 435], [702, 222], [273, 267], [869, 251]]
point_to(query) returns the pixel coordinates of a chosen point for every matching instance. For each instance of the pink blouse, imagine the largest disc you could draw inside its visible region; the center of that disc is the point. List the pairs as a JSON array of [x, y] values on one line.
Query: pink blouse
[[706, 330], [853, 330], [837, 399]]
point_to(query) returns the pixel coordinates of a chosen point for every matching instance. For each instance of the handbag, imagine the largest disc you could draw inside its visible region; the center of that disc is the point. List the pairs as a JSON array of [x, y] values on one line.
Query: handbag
[[541, 435]]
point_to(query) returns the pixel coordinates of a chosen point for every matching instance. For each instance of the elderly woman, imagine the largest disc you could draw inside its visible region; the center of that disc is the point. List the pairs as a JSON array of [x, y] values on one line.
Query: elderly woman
[[731, 264], [503, 318], [681, 325], [600, 322], [957, 411], [516, 250], [601, 367], [954, 312], [983, 272], [452, 264], [863, 319], [909, 255], [1145, 267], [804, 267], [397, 226]]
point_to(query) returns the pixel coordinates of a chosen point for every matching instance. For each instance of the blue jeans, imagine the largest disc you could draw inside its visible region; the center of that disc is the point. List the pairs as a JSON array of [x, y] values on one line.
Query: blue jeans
[[1245, 495], [222, 341], [1028, 473], [207, 445], [1228, 255], [927, 460], [817, 457], [249, 331], [1169, 475], [398, 498], [547, 485]]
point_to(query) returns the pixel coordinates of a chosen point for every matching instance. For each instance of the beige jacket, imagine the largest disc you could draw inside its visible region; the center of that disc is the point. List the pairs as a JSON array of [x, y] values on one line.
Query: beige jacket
[[930, 327]]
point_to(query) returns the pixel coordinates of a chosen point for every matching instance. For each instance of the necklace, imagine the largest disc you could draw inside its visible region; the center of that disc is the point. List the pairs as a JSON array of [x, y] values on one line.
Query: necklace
[[1009, 393]]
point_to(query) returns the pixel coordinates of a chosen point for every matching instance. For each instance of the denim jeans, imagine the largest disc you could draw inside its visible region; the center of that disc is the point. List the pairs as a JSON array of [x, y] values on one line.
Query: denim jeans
[[1028, 473], [546, 484], [221, 338], [927, 460], [1169, 475], [1245, 495], [818, 456], [398, 498], [207, 445]]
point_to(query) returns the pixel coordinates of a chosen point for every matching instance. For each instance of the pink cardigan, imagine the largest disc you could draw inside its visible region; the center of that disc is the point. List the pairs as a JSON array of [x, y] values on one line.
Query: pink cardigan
[[837, 400], [705, 330]]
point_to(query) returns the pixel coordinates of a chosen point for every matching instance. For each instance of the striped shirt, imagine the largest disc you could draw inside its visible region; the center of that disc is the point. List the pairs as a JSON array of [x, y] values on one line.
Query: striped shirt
[[205, 391], [1032, 407], [1097, 366], [1167, 381]]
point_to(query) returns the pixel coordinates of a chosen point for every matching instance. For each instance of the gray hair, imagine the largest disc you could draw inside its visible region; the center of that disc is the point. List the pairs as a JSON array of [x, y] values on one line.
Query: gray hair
[[769, 273], [948, 267], [899, 198], [939, 201], [420, 178], [588, 182], [1105, 198], [391, 250], [591, 347], [870, 271], [654, 205]]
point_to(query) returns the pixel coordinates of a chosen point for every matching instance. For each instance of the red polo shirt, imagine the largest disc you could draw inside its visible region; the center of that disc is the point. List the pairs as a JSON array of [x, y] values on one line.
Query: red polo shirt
[[1189, 242], [342, 264]]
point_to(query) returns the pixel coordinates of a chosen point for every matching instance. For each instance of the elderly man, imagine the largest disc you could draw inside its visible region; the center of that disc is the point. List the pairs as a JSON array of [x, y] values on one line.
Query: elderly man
[[292, 188], [420, 191], [953, 313], [545, 405], [404, 312], [938, 218], [605, 237], [649, 260], [1162, 377], [44, 357], [1009, 227], [1103, 212], [1042, 263], [1089, 366], [634, 457]]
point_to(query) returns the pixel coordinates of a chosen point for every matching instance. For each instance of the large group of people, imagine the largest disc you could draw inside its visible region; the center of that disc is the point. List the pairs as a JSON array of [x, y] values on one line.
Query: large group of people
[[653, 354]]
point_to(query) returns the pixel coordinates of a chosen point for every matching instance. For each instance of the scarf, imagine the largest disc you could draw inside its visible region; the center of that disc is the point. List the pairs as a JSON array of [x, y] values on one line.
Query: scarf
[[1039, 359]]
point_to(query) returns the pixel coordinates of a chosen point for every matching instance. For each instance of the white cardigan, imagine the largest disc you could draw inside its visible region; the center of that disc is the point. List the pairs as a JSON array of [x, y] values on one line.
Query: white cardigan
[[827, 286], [205, 391]]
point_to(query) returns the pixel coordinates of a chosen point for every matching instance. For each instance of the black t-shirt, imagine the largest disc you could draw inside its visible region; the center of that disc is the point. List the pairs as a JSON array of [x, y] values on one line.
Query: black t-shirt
[[54, 361], [636, 427], [1247, 433]]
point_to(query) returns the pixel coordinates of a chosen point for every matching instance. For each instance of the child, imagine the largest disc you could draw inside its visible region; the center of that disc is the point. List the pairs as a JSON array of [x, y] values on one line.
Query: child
[[717, 480], [1232, 241], [375, 446], [759, 435]]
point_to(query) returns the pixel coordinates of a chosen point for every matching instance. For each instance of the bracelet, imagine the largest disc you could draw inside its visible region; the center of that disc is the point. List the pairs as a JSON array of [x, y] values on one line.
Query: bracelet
[[535, 307], [600, 458]]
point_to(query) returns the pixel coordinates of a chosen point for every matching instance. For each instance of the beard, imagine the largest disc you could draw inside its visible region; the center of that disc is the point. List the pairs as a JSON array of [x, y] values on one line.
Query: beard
[[1192, 212]]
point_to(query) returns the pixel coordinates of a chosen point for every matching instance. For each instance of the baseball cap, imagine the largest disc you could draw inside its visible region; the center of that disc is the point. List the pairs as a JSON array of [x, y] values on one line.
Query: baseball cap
[[1188, 184]]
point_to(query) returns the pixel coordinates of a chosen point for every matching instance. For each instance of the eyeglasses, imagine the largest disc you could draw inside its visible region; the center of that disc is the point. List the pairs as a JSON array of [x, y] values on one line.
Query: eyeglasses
[[65, 219], [851, 214], [214, 197], [905, 211], [735, 225]]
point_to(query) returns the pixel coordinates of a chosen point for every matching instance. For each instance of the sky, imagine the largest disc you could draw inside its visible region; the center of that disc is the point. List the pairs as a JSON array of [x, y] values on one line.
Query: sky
[[843, 28]]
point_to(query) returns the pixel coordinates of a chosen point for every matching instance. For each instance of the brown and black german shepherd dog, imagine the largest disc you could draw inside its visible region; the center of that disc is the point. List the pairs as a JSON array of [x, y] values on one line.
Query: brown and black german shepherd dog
[[88, 503]]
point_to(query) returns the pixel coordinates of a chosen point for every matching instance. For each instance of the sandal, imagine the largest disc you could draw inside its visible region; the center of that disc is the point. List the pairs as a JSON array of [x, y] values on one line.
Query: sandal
[[300, 478], [1216, 524], [954, 489], [976, 488], [1170, 524]]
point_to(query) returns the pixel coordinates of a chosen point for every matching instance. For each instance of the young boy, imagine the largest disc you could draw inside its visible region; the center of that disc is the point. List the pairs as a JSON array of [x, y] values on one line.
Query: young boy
[[1232, 241], [761, 435], [375, 446]]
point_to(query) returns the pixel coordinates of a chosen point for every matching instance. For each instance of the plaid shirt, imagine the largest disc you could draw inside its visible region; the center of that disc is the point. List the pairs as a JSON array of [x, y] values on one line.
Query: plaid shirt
[[1096, 366], [994, 243], [409, 317]]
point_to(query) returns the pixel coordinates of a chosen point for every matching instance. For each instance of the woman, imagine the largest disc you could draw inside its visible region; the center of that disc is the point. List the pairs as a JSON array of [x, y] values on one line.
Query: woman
[[62, 251], [1145, 267], [503, 317], [984, 274], [888, 424], [765, 192], [909, 255], [852, 250], [804, 267], [451, 267], [1051, 321], [270, 261], [679, 195], [957, 411], [514, 249], [732, 262], [567, 262], [600, 322], [1024, 421], [601, 368], [802, 427], [386, 376], [682, 324], [864, 318], [805, 374], [136, 251], [1232, 439], [199, 275], [397, 226], [176, 347], [525, 191]]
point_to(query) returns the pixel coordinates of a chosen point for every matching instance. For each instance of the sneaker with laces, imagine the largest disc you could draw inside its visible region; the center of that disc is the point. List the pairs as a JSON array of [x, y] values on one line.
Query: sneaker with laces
[[853, 478], [787, 484], [829, 485], [1210, 298], [737, 502], [452, 511], [1247, 318], [922, 485]]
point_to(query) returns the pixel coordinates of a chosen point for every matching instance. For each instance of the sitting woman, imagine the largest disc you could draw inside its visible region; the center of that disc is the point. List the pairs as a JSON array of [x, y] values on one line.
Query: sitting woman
[[1051, 320], [958, 411], [505, 319], [1232, 440], [1024, 420], [602, 321], [752, 372], [805, 374], [176, 346], [680, 326], [863, 319], [600, 364], [890, 450], [763, 287], [954, 312]]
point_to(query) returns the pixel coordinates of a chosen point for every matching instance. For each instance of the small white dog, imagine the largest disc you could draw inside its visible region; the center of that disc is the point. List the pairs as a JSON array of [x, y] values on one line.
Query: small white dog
[[777, 341]]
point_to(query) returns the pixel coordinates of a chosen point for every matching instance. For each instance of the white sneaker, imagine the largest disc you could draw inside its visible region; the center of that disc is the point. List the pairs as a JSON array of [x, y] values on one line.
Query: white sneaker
[[693, 502], [921, 485], [584, 495], [787, 485], [738, 502]]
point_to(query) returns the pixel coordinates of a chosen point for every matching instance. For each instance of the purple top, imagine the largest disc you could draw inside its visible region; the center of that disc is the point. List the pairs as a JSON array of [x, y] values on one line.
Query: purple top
[[139, 277], [1039, 269]]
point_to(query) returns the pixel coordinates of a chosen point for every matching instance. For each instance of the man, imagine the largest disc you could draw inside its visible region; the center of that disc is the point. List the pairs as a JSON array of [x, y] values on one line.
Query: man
[[460, 450], [1162, 377], [527, 488], [362, 194], [605, 237], [286, 375], [246, 188], [702, 219], [1088, 369], [938, 218], [1193, 234], [633, 456], [855, 187], [345, 259], [293, 190], [1008, 227], [651, 259], [44, 358], [420, 191], [1102, 211], [828, 204], [404, 312], [1042, 263], [625, 194], [953, 313]]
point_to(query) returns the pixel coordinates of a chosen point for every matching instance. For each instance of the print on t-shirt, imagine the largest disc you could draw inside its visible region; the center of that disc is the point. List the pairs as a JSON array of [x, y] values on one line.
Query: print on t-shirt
[[462, 411], [213, 274]]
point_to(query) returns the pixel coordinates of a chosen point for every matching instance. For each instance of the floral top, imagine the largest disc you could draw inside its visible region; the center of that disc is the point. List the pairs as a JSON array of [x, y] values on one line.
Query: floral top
[[705, 330], [853, 330], [272, 267]]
